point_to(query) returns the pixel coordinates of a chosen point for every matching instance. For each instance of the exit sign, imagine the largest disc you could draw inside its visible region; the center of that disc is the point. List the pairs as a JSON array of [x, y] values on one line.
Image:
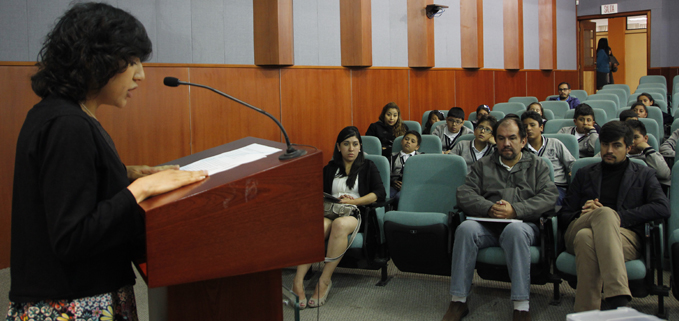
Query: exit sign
[[609, 8]]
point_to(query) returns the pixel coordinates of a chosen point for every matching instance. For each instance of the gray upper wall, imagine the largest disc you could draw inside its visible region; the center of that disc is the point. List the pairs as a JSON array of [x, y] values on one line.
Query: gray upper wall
[[663, 25], [221, 31]]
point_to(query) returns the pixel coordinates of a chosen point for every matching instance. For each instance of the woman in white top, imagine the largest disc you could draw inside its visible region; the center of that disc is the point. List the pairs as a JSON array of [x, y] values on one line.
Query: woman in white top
[[354, 180]]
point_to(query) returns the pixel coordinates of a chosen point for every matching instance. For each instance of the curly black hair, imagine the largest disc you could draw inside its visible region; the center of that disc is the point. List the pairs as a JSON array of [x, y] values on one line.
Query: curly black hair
[[90, 44]]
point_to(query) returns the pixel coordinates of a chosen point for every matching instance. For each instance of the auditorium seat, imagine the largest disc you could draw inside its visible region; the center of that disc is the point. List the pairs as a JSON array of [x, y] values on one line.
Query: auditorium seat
[[525, 100]]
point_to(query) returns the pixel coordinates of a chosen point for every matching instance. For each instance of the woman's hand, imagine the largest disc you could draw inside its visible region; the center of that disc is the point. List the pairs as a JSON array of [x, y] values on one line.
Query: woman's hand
[[163, 182], [138, 171]]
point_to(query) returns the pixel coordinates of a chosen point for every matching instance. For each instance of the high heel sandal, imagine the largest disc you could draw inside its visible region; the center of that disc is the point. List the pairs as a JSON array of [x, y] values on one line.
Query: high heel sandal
[[321, 301], [303, 304]]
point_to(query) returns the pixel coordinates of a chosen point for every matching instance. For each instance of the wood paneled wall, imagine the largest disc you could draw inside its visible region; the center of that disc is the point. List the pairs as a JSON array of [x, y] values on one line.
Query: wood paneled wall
[[547, 34], [160, 124], [273, 34], [356, 33], [471, 26], [421, 51], [512, 15]]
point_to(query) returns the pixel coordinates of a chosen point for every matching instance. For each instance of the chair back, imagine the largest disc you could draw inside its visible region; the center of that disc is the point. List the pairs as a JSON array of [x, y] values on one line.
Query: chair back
[[371, 145], [569, 141], [497, 114], [675, 126], [525, 100], [655, 113], [550, 165], [652, 85], [413, 125], [383, 167], [651, 127], [621, 93], [607, 105], [509, 108], [600, 116], [550, 97], [611, 97], [430, 183], [553, 126], [430, 144], [619, 86], [465, 137], [581, 94], [559, 108], [662, 105], [653, 79], [651, 90], [468, 124]]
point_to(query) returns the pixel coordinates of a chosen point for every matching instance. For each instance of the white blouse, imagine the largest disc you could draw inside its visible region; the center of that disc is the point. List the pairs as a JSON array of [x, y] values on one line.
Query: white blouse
[[339, 186]]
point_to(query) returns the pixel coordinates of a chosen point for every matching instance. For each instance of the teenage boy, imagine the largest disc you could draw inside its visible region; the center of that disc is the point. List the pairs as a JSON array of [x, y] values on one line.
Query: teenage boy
[[452, 129], [583, 130], [603, 216], [409, 146], [565, 95], [552, 148], [482, 144], [628, 114], [642, 150]]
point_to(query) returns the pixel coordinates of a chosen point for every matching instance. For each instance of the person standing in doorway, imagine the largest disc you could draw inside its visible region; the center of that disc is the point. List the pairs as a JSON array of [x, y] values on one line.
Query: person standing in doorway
[[603, 63]]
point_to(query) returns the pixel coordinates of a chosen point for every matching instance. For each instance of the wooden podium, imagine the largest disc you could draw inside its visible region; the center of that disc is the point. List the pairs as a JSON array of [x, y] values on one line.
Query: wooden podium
[[219, 245]]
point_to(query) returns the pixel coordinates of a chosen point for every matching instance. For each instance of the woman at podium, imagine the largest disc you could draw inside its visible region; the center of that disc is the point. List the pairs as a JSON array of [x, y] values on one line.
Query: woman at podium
[[353, 180], [76, 222]]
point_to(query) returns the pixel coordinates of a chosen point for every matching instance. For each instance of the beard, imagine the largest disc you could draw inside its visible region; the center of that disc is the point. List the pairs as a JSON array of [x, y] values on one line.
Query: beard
[[509, 157]]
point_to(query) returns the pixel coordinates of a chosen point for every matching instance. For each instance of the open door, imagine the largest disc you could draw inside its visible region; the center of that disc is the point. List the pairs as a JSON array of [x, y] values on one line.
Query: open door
[[587, 35]]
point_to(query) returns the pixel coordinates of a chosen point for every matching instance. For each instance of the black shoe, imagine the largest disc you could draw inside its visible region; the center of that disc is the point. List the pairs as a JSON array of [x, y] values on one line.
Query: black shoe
[[456, 311], [521, 315], [617, 301]]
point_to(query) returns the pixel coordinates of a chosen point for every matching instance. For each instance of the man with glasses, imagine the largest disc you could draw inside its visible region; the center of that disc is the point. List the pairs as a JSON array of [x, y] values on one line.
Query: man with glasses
[[565, 95], [451, 131]]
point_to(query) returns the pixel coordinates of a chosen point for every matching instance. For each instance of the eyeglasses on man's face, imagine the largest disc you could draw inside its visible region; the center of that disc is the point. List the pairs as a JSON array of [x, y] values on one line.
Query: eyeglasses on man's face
[[564, 89]]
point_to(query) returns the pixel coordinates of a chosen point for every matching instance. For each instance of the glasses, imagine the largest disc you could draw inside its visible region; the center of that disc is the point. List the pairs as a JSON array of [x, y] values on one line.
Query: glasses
[[457, 122], [484, 130], [564, 89]]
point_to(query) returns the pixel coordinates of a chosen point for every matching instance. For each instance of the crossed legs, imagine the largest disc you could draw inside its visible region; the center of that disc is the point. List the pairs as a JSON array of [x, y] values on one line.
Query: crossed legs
[[337, 232]]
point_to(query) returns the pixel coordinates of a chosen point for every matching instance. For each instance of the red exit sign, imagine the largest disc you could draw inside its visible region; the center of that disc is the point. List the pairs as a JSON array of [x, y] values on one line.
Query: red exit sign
[[609, 8]]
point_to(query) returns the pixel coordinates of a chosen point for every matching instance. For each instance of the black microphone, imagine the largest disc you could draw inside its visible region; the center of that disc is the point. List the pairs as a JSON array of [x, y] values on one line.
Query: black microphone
[[290, 153]]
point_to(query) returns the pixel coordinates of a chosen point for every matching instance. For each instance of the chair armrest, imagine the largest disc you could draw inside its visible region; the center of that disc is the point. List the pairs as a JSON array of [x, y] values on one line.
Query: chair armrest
[[386, 204]]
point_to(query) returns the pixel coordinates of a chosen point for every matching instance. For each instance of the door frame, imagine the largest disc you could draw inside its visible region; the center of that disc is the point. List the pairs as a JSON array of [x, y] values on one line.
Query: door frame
[[615, 15]]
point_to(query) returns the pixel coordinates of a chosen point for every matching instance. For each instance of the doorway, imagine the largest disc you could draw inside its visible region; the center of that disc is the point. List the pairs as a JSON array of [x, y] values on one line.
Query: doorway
[[628, 37]]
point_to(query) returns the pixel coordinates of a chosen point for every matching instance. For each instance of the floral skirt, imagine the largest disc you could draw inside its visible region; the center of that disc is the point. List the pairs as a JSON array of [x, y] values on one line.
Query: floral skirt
[[114, 306]]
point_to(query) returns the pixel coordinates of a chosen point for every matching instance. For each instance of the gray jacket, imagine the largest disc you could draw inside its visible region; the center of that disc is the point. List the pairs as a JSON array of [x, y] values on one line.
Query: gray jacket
[[528, 187], [586, 143], [465, 149], [667, 148], [656, 161], [397, 165], [446, 143], [561, 158]]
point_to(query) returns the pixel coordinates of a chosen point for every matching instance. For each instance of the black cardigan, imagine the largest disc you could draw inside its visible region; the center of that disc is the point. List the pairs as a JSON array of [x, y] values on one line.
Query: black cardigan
[[385, 134], [75, 225], [369, 180]]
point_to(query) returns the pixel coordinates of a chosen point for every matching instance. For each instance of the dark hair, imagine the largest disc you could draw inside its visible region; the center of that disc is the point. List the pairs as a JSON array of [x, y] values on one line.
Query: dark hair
[[542, 110], [416, 134], [513, 115], [603, 44], [647, 95], [583, 110], [638, 103], [564, 83], [399, 129], [627, 113], [482, 107], [456, 112], [427, 125], [614, 130], [637, 125], [490, 119], [344, 134], [516, 120], [532, 115], [91, 43]]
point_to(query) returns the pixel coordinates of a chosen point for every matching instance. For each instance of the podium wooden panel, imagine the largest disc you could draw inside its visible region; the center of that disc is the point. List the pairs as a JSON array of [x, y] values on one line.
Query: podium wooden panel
[[219, 244]]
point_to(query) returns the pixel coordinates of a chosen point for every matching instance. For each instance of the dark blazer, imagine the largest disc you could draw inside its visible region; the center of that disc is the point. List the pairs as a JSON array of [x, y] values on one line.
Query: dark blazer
[[640, 197], [385, 134], [75, 225], [369, 180]]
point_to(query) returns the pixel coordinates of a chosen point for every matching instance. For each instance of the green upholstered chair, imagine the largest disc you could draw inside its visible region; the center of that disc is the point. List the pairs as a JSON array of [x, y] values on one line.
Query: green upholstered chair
[[509, 108], [371, 145], [569, 141], [553, 126], [418, 234], [581, 94], [525, 100], [430, 145], [559, 108], [611, 97], [619, 86], [548, 114], [413, 125], [653, 79], [621, 93]]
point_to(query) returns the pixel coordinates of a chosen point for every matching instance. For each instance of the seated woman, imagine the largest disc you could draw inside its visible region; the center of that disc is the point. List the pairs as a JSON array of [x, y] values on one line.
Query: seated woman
[[388, 128], [481, 145], [482, 110], [537, 107], [354, 180], [434, 116], [640, 109]]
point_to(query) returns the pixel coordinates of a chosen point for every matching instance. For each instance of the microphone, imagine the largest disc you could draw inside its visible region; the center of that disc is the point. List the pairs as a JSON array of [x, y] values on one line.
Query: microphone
[[291, 152]]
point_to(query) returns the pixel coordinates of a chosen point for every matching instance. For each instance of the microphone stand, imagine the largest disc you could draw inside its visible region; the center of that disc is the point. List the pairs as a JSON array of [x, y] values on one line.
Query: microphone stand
[[290, 153]]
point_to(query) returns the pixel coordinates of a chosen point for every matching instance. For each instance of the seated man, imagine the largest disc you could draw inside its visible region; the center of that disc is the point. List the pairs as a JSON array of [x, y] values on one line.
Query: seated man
[[605, 225], [509, 184], [565, 95], [409, 146], [552, 148], [452, 129], [583, 130], [482, 144]]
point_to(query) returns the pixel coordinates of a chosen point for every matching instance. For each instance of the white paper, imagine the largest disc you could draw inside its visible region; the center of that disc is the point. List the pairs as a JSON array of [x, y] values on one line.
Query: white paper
[[494, 220], [231, 159]]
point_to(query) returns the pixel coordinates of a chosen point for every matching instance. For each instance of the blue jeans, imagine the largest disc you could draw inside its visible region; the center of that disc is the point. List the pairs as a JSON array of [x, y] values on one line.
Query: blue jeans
[[515, 239], [562, 195]]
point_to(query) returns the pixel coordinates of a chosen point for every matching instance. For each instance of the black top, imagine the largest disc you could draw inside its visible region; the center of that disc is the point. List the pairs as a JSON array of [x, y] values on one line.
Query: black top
[[75, 225], [385, 134], [611, 175], [640, 199], [369, 180]]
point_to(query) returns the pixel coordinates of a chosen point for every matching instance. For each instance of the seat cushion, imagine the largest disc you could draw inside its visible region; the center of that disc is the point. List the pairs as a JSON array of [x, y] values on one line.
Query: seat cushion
[[416, 218], [636, 270], [496, 255]]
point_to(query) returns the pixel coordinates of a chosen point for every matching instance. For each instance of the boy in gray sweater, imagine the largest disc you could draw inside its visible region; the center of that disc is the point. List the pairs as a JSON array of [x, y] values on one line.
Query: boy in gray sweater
[[451, 131], [583, 130]]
